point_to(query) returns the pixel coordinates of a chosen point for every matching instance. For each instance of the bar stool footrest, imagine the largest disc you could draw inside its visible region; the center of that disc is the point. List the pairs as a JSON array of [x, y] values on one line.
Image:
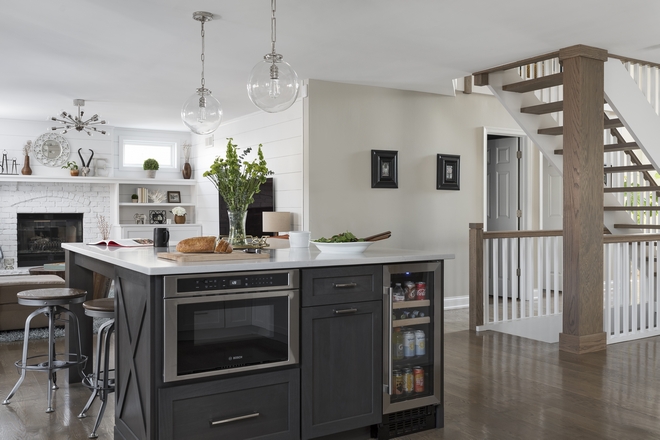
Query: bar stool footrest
[[88, 382], [72, 360]]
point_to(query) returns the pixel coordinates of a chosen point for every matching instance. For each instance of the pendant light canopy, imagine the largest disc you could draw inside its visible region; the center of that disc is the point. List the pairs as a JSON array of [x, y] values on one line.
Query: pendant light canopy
[[202, 112], [273, 84]]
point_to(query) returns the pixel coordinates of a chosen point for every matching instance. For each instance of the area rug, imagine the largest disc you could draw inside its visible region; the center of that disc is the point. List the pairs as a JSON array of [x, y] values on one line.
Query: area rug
[[41, 333]]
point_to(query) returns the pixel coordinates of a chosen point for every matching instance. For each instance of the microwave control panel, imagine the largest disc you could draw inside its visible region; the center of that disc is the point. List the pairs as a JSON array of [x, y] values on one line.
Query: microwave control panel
[[234, 282]]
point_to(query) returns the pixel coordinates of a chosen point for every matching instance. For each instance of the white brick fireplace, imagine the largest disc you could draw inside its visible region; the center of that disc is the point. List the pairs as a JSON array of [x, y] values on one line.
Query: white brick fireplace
[[88, 199]]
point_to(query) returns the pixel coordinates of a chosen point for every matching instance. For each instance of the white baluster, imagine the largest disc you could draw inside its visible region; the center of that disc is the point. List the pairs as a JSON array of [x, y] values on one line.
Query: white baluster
[[505, 279]]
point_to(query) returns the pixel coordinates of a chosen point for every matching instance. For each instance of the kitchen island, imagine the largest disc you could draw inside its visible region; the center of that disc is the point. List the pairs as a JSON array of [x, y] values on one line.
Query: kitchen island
[[145, 400]]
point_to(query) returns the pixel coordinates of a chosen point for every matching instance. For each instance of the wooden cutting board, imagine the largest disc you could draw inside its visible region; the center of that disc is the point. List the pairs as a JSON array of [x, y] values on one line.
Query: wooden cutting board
[[187, 257]]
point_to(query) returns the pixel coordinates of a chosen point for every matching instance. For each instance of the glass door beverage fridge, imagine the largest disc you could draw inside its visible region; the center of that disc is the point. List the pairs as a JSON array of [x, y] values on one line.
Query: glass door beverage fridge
[[412, 347]]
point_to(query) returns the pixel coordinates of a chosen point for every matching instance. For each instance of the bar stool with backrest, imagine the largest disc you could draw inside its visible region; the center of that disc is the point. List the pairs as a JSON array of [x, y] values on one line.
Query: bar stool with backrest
[[51, 301], [101, 381]]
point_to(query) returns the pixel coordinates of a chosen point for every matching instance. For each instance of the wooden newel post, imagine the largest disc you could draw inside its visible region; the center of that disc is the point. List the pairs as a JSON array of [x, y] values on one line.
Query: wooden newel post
[[583, 68], [476, 275]]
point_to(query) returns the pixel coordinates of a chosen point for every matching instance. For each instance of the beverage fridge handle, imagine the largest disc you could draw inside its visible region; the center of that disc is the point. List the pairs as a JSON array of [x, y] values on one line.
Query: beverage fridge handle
[[387, 373]]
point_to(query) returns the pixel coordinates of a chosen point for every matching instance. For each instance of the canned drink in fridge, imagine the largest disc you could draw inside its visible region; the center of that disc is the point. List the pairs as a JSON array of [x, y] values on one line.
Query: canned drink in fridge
[[408, 381], [420, 343], [420, 288], [398, 382], [418, 376], [408, 344], [409, 291]]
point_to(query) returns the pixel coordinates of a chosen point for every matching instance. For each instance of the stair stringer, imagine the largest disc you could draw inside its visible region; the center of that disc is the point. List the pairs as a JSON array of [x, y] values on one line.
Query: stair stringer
[[633, 109], [531, 123]]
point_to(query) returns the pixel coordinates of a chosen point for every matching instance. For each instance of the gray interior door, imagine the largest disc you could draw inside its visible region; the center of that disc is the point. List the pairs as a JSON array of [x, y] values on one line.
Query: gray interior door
[[503, 204]]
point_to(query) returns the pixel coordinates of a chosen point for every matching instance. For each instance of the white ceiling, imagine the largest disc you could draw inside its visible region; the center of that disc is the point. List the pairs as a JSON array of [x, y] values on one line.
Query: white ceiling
[[136, 61]]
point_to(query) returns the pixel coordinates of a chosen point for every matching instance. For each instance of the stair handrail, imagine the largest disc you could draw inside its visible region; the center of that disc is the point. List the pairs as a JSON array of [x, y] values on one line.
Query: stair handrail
[[481, 77], [634, 60]]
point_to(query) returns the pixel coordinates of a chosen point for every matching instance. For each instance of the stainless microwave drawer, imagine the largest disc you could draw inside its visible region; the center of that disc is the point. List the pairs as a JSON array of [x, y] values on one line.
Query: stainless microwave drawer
[[264, 406], [334, 285]]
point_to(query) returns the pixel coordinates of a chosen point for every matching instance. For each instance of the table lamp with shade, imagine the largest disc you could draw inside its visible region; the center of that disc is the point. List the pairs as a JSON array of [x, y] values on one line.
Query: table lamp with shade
[[276, 221]]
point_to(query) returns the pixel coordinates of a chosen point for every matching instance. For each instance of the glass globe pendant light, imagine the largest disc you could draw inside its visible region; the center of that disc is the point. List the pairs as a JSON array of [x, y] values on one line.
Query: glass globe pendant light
[[202, 112], [273, 84]]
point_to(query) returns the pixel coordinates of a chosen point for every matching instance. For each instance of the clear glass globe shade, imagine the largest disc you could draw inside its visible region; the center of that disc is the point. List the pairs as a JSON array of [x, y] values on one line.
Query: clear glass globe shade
[[201, 119], [270, 95]]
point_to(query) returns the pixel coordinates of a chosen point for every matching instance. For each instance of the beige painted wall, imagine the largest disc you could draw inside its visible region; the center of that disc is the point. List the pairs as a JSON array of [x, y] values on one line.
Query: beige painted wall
[[343, 123]]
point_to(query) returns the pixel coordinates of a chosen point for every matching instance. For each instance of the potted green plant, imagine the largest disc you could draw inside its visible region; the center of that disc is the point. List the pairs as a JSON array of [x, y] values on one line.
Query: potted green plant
[[237, 181], [134, 198], [72, 167], [150, 166]]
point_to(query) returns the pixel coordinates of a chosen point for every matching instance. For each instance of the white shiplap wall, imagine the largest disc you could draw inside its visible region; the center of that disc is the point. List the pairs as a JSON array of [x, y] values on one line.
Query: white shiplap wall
[[281, 135]]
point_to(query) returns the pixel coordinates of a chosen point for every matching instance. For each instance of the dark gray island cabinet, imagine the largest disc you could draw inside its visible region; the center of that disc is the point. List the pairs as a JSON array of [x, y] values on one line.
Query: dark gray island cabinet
[[332, 386]]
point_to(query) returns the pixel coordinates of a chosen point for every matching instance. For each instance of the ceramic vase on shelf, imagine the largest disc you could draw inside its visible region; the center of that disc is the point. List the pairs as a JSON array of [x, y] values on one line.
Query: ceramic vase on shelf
[[237, 227], [180, 219], [26, 171], [186, 171]]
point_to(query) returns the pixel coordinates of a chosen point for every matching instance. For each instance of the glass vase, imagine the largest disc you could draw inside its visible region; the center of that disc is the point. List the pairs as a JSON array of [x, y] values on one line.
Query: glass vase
[[237, 227]]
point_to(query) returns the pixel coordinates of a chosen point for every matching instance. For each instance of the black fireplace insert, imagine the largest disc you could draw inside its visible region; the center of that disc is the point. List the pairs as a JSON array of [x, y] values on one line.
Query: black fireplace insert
[[40, 236]]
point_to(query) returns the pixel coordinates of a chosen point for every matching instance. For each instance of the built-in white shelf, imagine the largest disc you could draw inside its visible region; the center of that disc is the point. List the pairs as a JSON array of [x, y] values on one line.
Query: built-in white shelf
[[79, 179], [156, 204]]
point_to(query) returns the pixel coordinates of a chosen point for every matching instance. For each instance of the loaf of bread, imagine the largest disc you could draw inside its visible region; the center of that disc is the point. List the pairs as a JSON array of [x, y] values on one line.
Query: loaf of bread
[[196, 244], [223, 247]]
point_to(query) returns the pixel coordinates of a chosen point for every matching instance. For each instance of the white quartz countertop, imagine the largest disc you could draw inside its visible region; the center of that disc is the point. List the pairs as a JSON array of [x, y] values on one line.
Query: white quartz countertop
[[145, 260]]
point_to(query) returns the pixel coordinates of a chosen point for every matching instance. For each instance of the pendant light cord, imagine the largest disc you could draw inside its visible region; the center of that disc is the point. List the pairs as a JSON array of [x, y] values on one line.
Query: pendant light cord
[[202, 57], [273, 27]]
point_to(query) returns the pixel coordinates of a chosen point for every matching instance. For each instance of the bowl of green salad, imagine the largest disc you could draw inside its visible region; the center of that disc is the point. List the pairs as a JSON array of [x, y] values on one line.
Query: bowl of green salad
[[343, 243]]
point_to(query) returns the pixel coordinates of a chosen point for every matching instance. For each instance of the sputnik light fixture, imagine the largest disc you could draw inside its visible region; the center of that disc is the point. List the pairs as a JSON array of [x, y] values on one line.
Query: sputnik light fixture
[[273, 84], [72, 121], [202, 112]]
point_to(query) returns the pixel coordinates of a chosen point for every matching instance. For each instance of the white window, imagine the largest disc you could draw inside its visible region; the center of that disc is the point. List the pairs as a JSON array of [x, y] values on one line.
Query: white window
[[133, 153]]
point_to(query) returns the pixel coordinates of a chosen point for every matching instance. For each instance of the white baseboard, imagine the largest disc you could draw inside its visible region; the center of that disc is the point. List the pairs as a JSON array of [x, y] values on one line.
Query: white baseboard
[[457, 302]]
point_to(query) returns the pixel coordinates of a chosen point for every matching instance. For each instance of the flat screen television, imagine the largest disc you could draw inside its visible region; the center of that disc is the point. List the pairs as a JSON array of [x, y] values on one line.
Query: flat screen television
[[264, 200]]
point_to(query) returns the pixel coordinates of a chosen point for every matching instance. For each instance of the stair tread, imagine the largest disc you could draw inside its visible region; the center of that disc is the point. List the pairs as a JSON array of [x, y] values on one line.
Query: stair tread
[[555, 131], [612, 147], [543, 109], [628, 168], [530, 85], [635, 226], [631, 208], [631, 189]]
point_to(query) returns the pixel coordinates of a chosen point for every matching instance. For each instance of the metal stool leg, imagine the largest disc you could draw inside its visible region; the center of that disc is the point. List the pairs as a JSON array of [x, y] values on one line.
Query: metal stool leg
[[25, 352], [106, 375], [94, 380]]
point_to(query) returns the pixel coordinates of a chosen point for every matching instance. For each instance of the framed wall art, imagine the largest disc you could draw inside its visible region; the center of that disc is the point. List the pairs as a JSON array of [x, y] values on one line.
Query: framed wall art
[[384, 169], [449, 172], [174, 197]]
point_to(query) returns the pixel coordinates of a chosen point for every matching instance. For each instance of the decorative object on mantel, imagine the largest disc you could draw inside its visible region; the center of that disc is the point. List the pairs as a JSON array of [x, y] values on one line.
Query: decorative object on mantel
[[134, 198], [202, 113], [150, 166], [186, 171], [237, 180], [101, 168], [72, 167], [85, 166], [179, 215], [51, 149], [77, 122], [104, 226], [156, 196], [26, 171], [273, 84], [4, 166]]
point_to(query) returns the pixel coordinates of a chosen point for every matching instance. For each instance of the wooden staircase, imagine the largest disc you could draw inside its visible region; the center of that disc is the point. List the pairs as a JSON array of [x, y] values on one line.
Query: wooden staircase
[[611, 125]]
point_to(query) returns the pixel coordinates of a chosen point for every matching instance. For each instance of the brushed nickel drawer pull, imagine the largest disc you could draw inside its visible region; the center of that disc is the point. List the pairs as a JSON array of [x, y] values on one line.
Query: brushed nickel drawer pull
[[341, 312], [343, 286], [234, 419]]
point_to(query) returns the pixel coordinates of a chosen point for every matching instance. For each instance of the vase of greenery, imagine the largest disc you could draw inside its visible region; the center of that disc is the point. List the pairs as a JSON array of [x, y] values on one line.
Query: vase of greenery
[[72, 167], [150, 166], [237, 181]]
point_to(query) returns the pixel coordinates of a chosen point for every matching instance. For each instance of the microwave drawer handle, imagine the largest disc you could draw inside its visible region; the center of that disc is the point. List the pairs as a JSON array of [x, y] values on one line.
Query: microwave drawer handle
[[344, 311], [234, 419], [343, 285]]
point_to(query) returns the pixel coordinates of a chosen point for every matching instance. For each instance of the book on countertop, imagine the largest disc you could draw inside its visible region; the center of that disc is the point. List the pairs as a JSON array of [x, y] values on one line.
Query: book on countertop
[[54, 266], [126, 242]]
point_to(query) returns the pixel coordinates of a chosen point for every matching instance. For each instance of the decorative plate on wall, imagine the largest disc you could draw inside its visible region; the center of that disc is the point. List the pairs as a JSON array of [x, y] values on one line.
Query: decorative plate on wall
[[157, 217], [51, 150]]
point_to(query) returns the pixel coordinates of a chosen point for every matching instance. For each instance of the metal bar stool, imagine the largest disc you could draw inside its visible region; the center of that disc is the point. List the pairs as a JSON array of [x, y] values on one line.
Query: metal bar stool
[[101, 381], [51, 301]]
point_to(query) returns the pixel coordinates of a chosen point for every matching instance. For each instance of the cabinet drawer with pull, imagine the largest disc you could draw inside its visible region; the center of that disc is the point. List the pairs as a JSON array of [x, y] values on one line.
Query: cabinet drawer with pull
[[333, 285], [264, 406]]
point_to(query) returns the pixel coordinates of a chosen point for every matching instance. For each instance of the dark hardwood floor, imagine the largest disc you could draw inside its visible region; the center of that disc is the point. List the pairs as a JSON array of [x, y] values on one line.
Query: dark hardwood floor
[[496, 387]]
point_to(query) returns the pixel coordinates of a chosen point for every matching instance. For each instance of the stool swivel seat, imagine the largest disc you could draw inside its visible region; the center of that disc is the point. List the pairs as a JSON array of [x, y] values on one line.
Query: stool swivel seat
[[101, 381], [50, 302]]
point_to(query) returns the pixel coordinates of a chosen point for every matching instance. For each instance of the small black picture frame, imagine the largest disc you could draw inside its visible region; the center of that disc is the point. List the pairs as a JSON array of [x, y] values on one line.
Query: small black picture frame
[[384, 172], [174, 197], [449, 172]]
